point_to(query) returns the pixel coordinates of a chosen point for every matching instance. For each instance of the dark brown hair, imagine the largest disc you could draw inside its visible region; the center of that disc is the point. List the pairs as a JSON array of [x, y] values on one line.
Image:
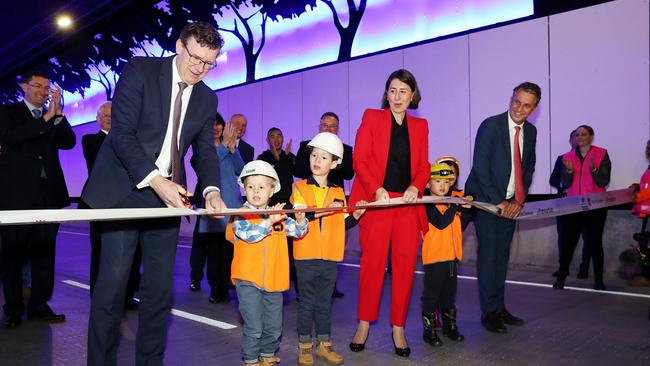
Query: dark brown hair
[[204, 33], [407, 78], [530, 88]]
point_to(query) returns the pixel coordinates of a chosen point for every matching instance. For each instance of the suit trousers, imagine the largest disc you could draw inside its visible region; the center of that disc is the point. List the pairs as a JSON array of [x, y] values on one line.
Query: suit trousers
[[494, 236], [158, 239], [36, 243], [214, 249], [95, 256], [398, 229]]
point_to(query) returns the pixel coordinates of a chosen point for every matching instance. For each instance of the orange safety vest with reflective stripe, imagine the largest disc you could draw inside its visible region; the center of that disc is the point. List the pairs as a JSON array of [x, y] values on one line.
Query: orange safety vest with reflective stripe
[[326, 237], [264, 263], [446, 244]]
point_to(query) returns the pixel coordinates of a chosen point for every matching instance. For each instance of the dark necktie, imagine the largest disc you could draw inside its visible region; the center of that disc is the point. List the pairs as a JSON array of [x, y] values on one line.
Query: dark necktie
[[175, 162], [37, 113], [520, 195]]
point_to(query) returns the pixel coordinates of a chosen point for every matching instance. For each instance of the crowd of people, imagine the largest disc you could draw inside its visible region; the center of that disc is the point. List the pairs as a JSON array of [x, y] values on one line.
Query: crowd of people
[[137, 161]]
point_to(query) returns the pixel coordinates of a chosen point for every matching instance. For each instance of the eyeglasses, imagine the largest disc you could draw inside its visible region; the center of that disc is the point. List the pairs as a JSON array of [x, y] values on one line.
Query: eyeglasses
[[328, 126], [46, 88], [196, 60]]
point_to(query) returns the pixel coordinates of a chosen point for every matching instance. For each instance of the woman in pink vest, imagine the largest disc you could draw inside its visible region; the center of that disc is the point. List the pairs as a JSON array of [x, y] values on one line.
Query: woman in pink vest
[[587, 169]]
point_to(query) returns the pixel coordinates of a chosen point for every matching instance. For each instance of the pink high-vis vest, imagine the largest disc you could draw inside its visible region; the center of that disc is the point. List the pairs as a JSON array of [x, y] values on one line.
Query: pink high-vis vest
[[583, 183]]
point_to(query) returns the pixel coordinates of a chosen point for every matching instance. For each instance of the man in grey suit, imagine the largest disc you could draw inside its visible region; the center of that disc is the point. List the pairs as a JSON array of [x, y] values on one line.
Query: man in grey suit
[[160, 108], [502, 171]]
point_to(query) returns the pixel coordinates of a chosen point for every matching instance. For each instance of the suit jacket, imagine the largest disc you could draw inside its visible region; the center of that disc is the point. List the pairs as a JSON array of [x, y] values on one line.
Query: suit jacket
[[344, 172], [91, 144], [371, 153], [139, 120], [246, 151], [29, 146], [491, 165]]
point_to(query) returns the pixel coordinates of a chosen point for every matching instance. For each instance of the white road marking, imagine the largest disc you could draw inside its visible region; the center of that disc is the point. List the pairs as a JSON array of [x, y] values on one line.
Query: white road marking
[[175, 312]]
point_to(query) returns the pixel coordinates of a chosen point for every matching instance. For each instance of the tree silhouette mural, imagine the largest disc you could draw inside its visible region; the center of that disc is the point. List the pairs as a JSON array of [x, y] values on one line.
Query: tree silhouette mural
[[248, 14], [348, 33]]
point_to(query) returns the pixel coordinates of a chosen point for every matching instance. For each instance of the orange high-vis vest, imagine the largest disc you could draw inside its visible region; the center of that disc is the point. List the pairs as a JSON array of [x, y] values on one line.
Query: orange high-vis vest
[[446, 244], [326, 237], [264, 263]]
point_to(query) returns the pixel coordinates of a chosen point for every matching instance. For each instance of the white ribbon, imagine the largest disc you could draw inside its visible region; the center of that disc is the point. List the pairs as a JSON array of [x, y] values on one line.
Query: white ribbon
[[533, 210]]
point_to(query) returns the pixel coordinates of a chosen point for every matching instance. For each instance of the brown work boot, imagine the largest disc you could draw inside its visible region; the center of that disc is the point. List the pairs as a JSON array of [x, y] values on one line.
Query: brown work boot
[[305, 356], [325, 352], [269, 361]]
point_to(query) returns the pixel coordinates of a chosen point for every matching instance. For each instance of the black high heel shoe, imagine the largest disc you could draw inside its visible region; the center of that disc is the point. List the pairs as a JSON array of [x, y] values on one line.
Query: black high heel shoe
[[358, 347], [402, 352]]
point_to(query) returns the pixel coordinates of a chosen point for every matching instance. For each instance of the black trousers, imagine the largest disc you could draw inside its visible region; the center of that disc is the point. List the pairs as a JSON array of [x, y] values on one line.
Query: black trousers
[[440, 286], [36, 243], [95, 255], [591, 225], [218, 252], [158, 239], [561, 222]]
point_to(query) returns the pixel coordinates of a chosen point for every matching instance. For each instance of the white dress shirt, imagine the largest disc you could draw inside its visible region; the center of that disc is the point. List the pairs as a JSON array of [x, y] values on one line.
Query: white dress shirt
[[510, 192], [164, 158]]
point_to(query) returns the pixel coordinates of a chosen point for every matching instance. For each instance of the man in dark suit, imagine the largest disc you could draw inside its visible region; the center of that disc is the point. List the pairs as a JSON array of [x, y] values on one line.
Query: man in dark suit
[[329, 122], [32, 178], [246, 151], [91, 144], [160, 108], [502, 171]]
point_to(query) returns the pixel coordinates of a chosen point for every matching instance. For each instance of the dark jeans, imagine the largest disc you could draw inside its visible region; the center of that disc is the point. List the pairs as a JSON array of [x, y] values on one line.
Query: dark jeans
[[562, 222], [158, 239], [591, 225], [316, 279], [218, 252], [440, 286]]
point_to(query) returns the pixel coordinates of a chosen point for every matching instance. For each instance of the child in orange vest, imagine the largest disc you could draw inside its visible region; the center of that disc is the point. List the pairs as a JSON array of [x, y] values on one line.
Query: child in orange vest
[[317, 253], [260, 266], [442, 249]]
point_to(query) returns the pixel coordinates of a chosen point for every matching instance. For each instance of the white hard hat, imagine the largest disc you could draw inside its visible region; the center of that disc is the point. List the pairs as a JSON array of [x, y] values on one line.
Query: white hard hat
[[329, 142], [259, 167]]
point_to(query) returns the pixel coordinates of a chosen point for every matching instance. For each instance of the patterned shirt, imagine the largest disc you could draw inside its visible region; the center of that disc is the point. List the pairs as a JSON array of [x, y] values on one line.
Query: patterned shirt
[[252, 233]]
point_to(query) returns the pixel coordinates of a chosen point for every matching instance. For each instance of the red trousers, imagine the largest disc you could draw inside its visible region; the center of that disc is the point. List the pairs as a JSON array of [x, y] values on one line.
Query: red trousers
[[399, 229]]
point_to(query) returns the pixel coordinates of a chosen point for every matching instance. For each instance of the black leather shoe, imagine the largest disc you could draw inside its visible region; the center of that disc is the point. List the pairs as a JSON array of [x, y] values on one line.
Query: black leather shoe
[[559, 283], [402, 352], [48, 317], [337, 294], [217, 298], [510, 319], [12, 322], [358, 347], [600, 286], [195, 286], [492, 322], [432, 338]]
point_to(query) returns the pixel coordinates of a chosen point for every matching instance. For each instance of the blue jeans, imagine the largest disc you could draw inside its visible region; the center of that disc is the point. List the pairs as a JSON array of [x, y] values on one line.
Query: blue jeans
[[262, 314]]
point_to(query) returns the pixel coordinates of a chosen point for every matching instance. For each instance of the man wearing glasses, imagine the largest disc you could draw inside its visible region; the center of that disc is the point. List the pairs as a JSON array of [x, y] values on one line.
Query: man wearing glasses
[[329, 122], [31, 178], [160, 108]]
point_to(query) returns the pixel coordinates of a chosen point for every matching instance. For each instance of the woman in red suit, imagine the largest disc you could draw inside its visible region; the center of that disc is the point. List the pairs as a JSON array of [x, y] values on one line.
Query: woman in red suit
[[390, 160]]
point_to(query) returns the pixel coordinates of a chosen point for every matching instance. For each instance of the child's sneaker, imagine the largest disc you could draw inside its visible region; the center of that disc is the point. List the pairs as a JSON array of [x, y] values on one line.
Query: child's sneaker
[[305, 356], [325, 352]]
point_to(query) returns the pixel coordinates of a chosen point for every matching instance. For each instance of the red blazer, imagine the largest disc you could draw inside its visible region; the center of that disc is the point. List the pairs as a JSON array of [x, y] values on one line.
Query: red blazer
[[371, 154]]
